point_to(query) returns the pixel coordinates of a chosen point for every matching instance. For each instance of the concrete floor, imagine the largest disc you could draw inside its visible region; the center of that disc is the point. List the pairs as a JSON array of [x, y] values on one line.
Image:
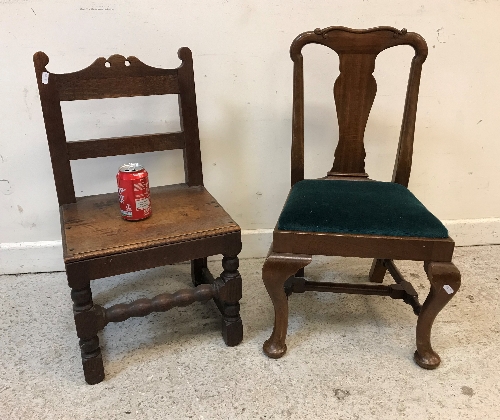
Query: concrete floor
[[349, 357]]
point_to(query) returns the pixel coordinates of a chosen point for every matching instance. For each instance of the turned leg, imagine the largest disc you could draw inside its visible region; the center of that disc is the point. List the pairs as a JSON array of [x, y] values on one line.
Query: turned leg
[[377, 271], [87, 324], [197, 267], [277, 269], [229, 296], [445, 282]]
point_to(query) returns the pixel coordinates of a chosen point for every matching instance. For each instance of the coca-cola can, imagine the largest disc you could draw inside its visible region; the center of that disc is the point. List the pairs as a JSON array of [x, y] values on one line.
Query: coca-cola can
[[133, 192]]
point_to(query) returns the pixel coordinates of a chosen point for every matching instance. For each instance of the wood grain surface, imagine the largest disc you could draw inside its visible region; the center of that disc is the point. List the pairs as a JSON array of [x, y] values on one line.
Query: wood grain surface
[[94, 227]]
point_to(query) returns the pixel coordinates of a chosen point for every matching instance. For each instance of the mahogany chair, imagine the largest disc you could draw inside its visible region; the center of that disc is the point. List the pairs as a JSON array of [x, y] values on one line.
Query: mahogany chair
[[186, 224], [345, 213]]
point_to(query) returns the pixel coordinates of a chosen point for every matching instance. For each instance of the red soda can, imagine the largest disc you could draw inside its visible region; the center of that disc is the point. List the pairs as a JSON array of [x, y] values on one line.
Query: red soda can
[[133, 192]]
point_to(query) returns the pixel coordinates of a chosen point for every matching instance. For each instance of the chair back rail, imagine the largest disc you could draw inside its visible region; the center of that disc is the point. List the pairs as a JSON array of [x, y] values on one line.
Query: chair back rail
[[117, 77], [354, 93], [113, 146]]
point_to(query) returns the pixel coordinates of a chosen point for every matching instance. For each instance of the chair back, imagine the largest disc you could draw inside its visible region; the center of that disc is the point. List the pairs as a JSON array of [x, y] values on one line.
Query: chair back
[[354, 92], [117, 77]]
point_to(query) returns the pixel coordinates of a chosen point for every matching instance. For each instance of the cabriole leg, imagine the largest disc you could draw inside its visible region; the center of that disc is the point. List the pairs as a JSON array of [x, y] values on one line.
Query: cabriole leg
[[87, 325], [277, 269], [229, 296], [445, 282]]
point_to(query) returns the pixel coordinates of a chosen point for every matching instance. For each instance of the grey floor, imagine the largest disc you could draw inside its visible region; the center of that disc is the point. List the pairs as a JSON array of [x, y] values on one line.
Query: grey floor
[[349, 357]]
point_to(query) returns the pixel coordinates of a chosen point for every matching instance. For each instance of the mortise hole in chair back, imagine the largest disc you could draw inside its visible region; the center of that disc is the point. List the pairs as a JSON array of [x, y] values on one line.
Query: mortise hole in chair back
[[354, 93], [118, 77]]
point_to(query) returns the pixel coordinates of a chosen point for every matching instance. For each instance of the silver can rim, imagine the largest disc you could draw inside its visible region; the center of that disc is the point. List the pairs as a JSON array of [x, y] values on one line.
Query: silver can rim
[[131, 167]]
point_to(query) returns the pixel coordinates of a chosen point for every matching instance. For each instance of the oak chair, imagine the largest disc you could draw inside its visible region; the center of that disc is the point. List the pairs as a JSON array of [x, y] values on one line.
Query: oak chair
[[187, 223], [345, 213]]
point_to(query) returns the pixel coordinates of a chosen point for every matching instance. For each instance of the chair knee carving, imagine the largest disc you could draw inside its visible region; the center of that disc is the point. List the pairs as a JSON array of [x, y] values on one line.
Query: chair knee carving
[[347, 214], [187, 223]]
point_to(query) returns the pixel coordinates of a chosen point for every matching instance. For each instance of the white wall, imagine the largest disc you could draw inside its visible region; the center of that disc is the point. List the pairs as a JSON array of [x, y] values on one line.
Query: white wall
[[243, 79]]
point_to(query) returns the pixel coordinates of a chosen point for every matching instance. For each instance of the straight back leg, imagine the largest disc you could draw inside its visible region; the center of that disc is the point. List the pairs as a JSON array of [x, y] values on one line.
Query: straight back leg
[[377, 271], [197, 267]]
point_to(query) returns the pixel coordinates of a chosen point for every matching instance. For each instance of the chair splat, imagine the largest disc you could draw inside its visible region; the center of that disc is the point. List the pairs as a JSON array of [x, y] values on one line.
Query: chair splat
[[354, 93]]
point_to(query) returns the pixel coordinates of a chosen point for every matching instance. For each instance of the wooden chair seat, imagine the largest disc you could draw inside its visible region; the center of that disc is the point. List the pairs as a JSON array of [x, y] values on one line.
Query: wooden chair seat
[[93, 226]]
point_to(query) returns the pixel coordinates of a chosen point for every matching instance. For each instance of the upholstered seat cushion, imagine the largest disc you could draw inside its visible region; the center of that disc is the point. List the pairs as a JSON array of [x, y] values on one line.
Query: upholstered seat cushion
[[358, 207]]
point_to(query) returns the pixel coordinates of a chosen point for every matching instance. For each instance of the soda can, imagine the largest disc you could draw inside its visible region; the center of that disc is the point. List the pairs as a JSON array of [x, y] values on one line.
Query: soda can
[[133, 192]]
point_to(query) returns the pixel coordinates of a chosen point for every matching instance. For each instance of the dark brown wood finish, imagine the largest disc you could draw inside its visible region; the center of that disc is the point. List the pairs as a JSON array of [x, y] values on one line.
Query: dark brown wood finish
[[364, 246], [85, 149], [445, 281], [229, 295], [353, 87], [93, 227], [197, 267], [354, 93], [56, 136], [401, 290], [189, 120], [156, 256], [85, 316], [377, 271], [116, 77], [187, 223], [277, 269], [161, 303]]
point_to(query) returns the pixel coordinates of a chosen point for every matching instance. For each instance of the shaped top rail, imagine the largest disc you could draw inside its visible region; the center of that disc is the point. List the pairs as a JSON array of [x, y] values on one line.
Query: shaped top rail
[[113, 77], [348, 41]]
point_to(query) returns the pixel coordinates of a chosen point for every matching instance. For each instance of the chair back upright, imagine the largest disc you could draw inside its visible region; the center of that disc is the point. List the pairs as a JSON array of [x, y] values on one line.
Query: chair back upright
[[117, 77], [354, 93]]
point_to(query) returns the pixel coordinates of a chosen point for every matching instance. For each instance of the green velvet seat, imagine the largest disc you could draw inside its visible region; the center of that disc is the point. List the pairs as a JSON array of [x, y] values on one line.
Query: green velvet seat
[[358, 207]]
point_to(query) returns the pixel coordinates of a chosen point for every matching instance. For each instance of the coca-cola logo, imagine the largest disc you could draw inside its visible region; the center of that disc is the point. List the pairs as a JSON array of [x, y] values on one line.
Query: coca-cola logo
[[121, 198]]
